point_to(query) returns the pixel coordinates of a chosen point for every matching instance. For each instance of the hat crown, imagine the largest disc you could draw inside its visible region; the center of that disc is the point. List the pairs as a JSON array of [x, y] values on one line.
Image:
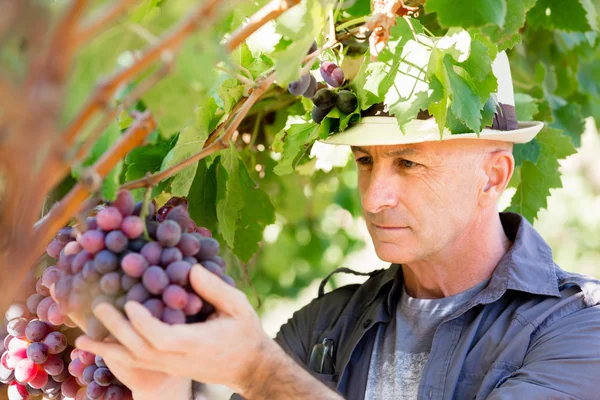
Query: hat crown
[[501, 69]]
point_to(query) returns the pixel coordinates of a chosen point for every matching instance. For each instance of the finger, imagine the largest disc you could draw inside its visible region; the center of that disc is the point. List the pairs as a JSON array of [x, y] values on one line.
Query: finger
[[122, 330], [159, 335], [113, 351], [77, 318], [214, 290]]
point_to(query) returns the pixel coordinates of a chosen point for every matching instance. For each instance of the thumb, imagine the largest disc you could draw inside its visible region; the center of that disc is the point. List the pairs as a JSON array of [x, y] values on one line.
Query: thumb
[[213, 289]]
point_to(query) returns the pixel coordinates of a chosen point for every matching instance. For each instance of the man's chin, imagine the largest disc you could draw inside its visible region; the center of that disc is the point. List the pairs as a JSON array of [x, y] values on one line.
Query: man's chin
[[395, 254]]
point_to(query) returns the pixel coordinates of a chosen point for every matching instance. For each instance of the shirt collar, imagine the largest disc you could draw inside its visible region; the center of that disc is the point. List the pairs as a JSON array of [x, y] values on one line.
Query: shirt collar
[[527, 267]]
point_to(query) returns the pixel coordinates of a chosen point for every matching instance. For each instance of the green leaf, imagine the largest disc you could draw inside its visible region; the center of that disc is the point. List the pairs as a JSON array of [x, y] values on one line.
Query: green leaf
[[507, 36], [529, 151], [466, 103], [202, 197], [526, 107], [577, 15], [191, 141], [295, 142], [469, 13], [147, 159], [537, 179], [242, 231], [589, 77], [570, 120]]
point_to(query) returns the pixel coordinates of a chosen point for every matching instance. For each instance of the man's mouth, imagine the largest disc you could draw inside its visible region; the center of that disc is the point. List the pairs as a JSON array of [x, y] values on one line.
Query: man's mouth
[[386, 227]]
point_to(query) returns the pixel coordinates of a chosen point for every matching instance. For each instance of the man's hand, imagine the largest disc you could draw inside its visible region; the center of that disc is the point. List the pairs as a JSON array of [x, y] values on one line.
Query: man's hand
[[226, 349]]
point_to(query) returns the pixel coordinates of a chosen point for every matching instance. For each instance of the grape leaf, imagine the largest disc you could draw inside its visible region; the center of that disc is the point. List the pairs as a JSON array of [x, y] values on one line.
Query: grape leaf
[[526, 107], [470, 13], [466, 103], [529, 151], [202, 197], [537, 179], [569, 119], [576, 15], [295, 141], [507, 36], [589, 77], [242, 231]]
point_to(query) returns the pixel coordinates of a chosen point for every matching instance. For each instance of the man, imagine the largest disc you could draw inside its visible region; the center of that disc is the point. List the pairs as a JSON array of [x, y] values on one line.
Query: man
[[472, 306]]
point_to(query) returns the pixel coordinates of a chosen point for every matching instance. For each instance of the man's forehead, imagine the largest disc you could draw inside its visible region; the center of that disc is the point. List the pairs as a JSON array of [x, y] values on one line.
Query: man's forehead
[[389, 150]]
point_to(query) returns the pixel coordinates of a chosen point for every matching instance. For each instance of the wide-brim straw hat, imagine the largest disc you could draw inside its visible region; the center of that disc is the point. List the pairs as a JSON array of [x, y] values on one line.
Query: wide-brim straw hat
[[380, 129]]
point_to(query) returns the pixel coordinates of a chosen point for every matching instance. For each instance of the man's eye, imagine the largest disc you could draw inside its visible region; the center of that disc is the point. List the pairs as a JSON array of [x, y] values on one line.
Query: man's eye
[[364, 160], [408, 163]]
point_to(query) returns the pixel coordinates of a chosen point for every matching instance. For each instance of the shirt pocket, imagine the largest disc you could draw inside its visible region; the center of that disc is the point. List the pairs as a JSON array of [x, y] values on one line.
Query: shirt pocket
[[328, 379], [478, 385]]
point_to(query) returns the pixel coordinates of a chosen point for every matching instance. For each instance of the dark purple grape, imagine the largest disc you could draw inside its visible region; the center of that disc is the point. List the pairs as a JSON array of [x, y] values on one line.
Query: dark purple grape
[[194, 305], [110, 283], [181, 215], [325, 99], [52, 387], [63, 288], [155, 280], [37, 352], [319, 114], [138, 208], [16, 327], [95, 392], [190, 260], [36, 330], [178, 273], [16, 310], [298, 87], [228, 280], [347, 101], [103, 376], [89, 272], [95, 329], [64, 235], [168, 233], [70, 387], [50, 276], [116, 241], [332, 74], [113, 392], [311, 89], [124, 202], [152, 227], [109, 218], [169, 255], [134, 265], [99, 362], [155, 306], [132, 226], [173, 317], [175, 297], [138, 293], [219, 260], [152, 252], [212, 267], [127, 282], [209, 248], [137, 245], [54, 365], [105, 262], [92, 241], [80, 260], [189, 245]]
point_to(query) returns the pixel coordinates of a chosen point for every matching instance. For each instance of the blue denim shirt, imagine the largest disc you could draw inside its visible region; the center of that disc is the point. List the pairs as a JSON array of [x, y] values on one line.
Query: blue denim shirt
[[532, 333]]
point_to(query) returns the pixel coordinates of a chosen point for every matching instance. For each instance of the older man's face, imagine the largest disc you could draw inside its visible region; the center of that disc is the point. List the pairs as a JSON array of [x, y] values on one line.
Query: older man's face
[[418, 198]]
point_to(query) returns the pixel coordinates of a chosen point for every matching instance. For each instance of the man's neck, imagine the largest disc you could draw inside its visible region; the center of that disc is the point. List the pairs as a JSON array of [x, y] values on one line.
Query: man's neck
[[470, 260]]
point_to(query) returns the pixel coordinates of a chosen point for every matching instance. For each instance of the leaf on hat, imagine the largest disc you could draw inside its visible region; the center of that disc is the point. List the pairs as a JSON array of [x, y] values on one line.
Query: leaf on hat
[[526, 107], [577, 15], [469, 13]]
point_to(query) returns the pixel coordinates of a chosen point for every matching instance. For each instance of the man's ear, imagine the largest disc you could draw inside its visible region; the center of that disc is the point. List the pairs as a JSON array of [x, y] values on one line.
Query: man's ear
[[499, 166]]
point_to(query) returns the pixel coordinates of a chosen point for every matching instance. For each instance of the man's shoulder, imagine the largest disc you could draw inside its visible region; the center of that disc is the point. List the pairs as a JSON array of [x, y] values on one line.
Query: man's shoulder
[[573, 284]]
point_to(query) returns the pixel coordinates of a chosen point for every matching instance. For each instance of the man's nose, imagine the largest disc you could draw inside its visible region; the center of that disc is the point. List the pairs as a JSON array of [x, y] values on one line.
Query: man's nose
[[382, 191]]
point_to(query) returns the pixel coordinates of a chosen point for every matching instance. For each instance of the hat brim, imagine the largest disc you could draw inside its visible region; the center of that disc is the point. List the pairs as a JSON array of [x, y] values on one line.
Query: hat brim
[[374, 131]]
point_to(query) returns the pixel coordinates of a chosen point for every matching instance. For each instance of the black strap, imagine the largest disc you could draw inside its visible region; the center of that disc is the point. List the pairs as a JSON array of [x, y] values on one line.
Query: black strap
[[344, 270]]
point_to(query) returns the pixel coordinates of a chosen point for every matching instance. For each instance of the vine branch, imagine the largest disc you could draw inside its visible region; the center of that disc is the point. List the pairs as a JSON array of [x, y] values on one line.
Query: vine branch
[[94, 26]]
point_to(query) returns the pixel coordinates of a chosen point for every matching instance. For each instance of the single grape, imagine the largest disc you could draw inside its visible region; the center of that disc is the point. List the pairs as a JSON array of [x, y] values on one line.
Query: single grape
[[54, 248], [63, 288], [86, 357], [99, 361], [190, 260], [113, 392], [155, 306], [7, 376], [16, 391], [17, 326], [132, 226], [89, 272], [43, 308], [134, 265], [212, 267], [347, 101], [319, 114], [298, 87], [103, 376], [95, 391], [40, 380], [109, 218], [62, 376], [152, 252], [189, 245], [105, 262], [169, 255], [173, 317], [332, 74], [178, 273], [138, 208], [168, 233], [15, 357], [205, 232], [91, 223], [76, 367], [88, 374], [50, 276], [124, 202], [74, 354], [36, 330], [175, 297], [181, 215], [136, 245], [52, 387], [72, 249], [95, 329], [194, 305], [41, 289], [219, 261], [80, 260], [54, 365], [25, 371], [16, 310], [116, 241], [155, 280], [92, 241], [325, 99], [110, 283], [7, 340], [310, 91], [64, 235], [17, 344], [4, 359], [37, 352], [127, 282], [55, 315], [138, 293], [209, 248], [70, 387]]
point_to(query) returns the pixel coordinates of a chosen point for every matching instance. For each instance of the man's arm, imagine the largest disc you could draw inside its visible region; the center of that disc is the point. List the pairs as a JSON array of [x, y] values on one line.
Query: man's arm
[[563, 362]]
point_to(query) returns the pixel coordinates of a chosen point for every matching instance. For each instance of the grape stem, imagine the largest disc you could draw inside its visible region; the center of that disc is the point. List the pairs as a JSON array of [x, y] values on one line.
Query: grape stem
[[144, 211], [352, 22]]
